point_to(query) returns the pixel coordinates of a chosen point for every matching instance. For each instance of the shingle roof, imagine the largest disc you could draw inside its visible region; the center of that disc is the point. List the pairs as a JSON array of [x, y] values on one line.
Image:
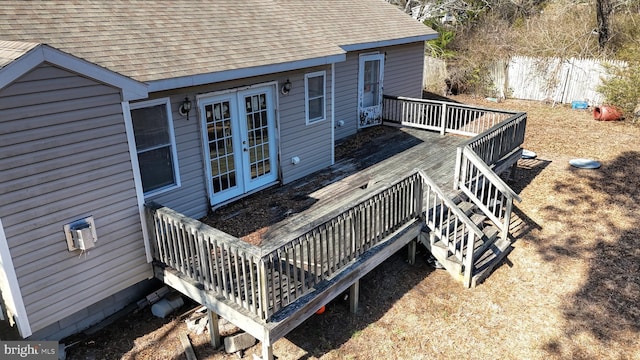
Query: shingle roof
[[156, 40], [12, 50]]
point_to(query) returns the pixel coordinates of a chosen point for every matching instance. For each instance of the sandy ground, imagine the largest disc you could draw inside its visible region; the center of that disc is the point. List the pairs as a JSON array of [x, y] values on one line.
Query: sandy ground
[[570, 289]]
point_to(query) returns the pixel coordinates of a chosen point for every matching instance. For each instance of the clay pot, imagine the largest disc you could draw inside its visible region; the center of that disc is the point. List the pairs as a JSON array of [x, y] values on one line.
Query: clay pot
[[606, 113]]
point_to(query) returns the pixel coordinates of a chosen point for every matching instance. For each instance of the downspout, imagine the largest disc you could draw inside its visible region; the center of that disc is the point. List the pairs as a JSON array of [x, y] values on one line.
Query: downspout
[[333, 113]]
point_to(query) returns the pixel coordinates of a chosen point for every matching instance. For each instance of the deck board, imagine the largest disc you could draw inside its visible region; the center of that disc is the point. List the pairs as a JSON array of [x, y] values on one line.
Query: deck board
[[395, 154]]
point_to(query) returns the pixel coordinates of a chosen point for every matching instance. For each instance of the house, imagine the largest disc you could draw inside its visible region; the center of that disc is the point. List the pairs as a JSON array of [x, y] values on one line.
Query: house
[[107, 106]]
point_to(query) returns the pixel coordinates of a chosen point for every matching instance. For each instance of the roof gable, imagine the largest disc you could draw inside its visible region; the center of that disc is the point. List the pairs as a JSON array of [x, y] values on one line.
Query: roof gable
[[18, 58]]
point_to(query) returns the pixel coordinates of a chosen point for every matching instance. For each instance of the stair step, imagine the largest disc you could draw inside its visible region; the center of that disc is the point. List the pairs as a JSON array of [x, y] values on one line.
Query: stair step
[[491, 258], [478, 219], [491, 234]]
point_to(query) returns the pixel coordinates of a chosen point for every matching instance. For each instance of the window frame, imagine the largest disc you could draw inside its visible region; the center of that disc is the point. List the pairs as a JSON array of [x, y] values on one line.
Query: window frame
[[307, 99], [172, 143]]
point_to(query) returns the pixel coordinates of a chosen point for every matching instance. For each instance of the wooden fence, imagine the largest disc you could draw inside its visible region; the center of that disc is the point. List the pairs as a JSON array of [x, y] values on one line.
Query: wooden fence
[[551, 79]]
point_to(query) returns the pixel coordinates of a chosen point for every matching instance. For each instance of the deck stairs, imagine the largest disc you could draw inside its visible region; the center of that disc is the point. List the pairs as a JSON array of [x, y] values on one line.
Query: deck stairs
[[488, 250]]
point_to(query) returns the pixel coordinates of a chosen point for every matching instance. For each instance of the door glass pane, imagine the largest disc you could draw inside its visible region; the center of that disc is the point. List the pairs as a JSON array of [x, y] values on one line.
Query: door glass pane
[[219, 133], [257, 135], [371, 83]]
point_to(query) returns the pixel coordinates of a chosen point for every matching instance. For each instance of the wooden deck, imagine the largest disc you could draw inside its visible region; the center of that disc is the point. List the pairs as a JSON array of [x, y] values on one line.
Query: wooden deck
[[395, 153], [293, 248]]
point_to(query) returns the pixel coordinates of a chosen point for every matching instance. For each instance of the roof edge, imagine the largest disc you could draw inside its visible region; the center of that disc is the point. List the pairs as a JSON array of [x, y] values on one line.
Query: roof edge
[[392, 42], [131, 89], [226, 75]]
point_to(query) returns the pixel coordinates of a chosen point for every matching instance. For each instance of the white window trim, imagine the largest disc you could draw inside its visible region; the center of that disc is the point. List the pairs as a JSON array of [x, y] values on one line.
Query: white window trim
[[324, 96], [172, 139]]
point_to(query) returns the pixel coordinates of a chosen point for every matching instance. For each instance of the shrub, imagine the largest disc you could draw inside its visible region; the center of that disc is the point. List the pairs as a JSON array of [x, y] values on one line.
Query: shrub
[[621, 89]]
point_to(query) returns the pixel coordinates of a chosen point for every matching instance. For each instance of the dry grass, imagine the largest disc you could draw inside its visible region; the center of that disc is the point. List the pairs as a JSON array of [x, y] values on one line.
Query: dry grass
[[570, 288]]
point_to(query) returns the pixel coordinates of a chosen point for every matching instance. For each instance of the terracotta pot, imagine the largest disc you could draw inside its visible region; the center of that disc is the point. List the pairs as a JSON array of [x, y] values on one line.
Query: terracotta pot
[[606, 113]]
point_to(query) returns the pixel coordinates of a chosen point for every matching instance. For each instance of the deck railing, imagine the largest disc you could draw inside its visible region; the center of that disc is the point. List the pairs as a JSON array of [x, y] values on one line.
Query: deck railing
[[445, 117], [216, 260], [497, 133], [265, 280], [496, 142], [317, 254]]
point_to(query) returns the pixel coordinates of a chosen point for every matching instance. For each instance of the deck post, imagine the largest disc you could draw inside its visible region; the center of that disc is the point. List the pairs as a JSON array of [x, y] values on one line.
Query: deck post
[[214, 329], [443, 119], [267, 351], [354, 294], [411, 248], [457, 170]]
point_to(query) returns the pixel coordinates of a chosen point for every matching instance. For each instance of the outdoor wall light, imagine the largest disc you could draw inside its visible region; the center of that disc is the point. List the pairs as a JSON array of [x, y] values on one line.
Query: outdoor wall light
[[185, 107], [286, 87]]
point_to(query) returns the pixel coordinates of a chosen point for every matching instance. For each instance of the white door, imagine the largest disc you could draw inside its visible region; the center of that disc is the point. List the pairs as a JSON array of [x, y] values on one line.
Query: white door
[[370, 89], [240, 142]]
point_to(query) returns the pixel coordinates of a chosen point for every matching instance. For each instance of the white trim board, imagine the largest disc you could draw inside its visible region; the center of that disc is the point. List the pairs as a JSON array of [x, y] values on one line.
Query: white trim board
[[137, 178], [203, 79], [11, 292]]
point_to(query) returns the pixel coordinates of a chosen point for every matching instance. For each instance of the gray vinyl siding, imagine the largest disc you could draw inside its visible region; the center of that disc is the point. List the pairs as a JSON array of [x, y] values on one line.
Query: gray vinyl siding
[[64, 156], [403, 68], [311, 143]]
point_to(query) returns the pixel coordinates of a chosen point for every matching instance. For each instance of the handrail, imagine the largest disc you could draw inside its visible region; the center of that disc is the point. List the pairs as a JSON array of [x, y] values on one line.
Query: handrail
[[490, 175], [450, 204], [473, 107], [473, 164], [264, 280], [516, 124], [459, 240], [493, 196]]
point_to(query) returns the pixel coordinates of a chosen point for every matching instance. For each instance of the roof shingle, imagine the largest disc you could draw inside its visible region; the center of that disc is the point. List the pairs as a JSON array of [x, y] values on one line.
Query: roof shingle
[[156, 40]]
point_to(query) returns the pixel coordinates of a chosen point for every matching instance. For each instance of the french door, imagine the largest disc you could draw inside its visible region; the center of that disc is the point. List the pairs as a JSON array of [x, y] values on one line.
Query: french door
[[370, 76], [239, 142]]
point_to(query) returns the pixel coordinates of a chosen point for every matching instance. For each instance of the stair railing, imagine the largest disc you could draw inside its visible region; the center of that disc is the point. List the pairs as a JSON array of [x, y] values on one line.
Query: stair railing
[[450, 225], [487, 190], [475, 177]]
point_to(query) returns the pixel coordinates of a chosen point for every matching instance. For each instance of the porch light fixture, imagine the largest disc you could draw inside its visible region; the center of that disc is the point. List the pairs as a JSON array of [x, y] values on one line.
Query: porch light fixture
[[286, 87], [185, 107]]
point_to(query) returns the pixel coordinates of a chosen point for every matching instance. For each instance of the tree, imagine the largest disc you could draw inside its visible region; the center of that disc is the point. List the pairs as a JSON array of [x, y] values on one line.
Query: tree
[[603, 12]]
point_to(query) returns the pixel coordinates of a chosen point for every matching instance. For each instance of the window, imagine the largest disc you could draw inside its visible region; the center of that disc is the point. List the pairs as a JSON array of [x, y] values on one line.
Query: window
[[155, 145], [314, 91]]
